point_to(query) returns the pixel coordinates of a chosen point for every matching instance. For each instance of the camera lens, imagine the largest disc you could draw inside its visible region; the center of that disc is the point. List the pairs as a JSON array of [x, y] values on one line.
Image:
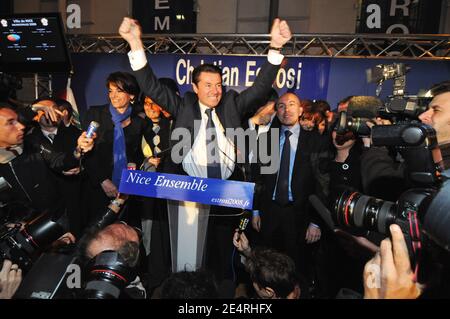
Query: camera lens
[[109, 274], [355, 210]]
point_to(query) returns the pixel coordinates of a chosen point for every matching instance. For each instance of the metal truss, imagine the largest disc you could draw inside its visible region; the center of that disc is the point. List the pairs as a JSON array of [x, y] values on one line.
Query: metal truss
[[316, 45]]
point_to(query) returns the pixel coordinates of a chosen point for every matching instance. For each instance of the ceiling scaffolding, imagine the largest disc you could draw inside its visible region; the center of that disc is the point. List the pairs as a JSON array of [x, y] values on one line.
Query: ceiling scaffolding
[[308, 45]]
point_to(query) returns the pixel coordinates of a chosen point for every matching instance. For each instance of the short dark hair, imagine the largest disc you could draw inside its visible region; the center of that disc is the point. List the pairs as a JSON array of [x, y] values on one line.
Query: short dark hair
[[190, 285], [170, 83], [210, 68], [269, 268], [128, 250], [124, 81], [307, 105], [440, 88], [321, 106], [5, 105], [64, 105]]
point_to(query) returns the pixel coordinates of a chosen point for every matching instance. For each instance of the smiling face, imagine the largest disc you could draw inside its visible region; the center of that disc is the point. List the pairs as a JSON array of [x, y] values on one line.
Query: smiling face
[[118, 97], [209, 88], [438, 116], [288, 109], [152, 110], [11, 130]]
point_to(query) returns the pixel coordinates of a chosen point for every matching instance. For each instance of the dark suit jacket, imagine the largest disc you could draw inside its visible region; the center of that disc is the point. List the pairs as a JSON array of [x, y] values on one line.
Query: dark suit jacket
[[231, 109], [99, 162], [302, 181]]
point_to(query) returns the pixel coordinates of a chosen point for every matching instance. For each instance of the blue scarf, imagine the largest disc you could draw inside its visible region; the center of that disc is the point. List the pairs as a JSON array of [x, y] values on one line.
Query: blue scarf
[[119, 148]]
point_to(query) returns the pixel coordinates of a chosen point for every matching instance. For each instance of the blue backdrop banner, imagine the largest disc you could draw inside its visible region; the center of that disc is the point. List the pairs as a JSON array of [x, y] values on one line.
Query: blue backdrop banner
[[208, 191]]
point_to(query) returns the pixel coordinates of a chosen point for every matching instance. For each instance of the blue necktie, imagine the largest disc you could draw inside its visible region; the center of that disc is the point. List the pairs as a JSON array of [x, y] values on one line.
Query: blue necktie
[[213, 158], [282, 190]]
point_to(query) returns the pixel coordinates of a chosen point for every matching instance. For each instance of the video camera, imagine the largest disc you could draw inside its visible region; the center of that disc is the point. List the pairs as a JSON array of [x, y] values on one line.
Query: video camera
[[423, 209], [399, 107]]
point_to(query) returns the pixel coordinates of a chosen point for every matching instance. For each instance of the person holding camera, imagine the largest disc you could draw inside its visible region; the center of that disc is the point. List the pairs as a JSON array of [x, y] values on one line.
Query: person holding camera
[[110, 256], [27, 166], [382, 175], [388, 275]]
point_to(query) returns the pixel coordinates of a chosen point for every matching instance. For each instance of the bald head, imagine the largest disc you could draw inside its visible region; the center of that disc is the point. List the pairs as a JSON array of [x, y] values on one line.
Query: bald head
[[289, 109], [112, 237]]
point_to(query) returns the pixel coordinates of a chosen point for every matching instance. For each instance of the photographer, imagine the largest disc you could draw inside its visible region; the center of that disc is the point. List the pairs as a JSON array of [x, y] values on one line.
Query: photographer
[[419, 188], [117, 278], [382, 176], [26, 167]]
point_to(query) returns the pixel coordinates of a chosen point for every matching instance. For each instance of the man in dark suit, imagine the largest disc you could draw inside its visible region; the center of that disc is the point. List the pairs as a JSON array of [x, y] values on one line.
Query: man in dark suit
[[197, 114], [63, 139], [284, 221]]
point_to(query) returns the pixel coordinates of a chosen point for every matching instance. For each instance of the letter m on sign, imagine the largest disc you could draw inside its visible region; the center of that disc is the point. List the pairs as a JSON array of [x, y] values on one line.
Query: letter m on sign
[[162, 25]]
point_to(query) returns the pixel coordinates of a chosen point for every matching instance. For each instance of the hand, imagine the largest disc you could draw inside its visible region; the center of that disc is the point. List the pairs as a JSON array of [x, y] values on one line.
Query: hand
[[71, 172], [50, 112], [313, 234], [130, 31], [264, 114], [240, 241], [256, 223], [109, 188], [66, 239], [85, 144], [66, 118], [353, 244], [154, 161], [280, 33], [10, 279], [389, 275]]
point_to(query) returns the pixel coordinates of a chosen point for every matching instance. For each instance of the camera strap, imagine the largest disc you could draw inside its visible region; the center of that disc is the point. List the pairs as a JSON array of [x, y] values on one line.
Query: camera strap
[[414, 231]]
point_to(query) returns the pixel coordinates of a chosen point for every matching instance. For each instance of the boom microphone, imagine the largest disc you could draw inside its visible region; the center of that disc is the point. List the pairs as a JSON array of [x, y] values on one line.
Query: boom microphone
[[364, 106]]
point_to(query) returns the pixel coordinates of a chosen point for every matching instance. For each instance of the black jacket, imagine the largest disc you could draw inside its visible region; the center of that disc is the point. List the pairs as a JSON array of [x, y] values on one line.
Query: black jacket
[[33, 187], [99, 162], [231, 109], [303, 182]]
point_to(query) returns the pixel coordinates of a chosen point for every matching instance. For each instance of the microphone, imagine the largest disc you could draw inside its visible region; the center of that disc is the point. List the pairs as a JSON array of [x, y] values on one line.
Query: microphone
[[245, 218], [364, 106], [92, 128]]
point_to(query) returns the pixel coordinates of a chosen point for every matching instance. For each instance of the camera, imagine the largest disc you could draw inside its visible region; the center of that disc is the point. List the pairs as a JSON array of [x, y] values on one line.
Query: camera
[[423, 208], [399, 107], [22, 245], [109, 273]]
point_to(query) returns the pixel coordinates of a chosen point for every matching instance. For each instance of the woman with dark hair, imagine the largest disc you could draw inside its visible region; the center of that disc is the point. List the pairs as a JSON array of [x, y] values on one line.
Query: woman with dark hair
[[118, 141]]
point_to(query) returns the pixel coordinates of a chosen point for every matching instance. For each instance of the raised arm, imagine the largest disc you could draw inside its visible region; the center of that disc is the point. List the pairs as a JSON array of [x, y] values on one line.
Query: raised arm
[[257, 94], [130, 31]]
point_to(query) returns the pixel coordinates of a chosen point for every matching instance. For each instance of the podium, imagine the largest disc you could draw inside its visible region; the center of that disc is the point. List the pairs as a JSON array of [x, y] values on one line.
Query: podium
[[188, 224]]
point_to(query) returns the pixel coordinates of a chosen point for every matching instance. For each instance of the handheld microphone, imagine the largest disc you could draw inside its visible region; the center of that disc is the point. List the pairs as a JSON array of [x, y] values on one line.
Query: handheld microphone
[[244, 221], [92, 128]]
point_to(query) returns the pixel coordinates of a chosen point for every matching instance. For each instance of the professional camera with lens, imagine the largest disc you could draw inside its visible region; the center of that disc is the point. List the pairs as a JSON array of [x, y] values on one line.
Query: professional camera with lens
[[23, 244], [398, 109], [425, 208], [110, 272]]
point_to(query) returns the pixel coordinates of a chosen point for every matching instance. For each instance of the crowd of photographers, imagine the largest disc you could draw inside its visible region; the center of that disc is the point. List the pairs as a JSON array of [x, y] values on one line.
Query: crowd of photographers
[[324, 224]]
